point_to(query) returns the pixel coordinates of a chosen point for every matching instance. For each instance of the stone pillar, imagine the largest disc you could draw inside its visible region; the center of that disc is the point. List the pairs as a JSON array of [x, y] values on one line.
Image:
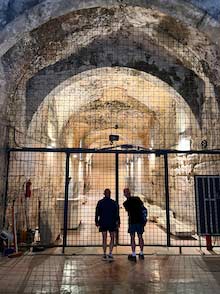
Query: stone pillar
[[81, 177], [87, 174], [127, 172], [138, 174], [81, 172], [132, 173]]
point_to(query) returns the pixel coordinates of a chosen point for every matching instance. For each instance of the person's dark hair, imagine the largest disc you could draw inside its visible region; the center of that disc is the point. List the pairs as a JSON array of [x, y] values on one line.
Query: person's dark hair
[[107, 191], [127, 190]]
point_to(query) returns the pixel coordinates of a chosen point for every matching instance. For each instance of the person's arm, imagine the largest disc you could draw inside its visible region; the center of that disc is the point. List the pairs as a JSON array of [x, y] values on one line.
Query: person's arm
[[125, 205], [141, 202], [97, 215]]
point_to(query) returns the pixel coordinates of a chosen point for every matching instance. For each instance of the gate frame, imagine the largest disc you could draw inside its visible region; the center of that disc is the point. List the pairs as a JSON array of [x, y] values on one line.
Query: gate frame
[[126, 150]]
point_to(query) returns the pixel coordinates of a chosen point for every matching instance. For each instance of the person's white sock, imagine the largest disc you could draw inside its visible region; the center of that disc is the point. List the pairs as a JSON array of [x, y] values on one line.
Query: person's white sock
[[133, 253], [141, 252], [110, 254]]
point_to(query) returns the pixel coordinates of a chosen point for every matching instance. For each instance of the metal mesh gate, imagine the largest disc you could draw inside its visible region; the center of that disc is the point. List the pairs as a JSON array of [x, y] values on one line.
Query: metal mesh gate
[[65, 188], [144, 174], [87, 185], [183, 168], [36, 183]]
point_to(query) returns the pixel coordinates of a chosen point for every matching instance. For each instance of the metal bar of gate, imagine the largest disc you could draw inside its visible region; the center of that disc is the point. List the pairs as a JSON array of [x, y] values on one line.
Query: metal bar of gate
[[6, 189], [167, 195], [121, 151], [117, 186], [65, 217]]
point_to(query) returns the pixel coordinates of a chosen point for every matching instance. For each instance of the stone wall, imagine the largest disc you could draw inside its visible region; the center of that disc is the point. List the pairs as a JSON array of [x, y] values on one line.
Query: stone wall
[[47, 173], [11, 9], [211, 7], [104, 41]]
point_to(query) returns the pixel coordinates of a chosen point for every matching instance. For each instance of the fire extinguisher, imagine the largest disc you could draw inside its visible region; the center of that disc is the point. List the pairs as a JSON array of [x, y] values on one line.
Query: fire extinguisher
[[209, 242], [28, 189]]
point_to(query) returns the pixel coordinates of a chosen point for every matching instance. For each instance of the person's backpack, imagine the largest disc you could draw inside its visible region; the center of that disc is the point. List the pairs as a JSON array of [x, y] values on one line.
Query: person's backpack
[[144, 214]]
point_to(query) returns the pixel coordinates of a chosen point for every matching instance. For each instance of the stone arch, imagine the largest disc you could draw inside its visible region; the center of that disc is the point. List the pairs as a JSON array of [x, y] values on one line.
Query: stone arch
[[46, 10], [84, 92], [164, 7], [165, 67], [197, 74]]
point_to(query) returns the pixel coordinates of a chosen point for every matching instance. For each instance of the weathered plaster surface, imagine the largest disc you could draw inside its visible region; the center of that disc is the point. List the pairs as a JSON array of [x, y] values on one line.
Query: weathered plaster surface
[[11, 9], [182, 57], [39, 14]]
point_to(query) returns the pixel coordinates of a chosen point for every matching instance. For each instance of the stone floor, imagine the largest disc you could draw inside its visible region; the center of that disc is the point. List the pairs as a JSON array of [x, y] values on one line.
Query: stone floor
[[89, 274]]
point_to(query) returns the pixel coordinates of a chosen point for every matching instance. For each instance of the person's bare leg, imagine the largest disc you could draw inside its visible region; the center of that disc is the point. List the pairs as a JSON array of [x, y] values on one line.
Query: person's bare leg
[[111, 246], [141, 243], [133, 244], [104, 241]]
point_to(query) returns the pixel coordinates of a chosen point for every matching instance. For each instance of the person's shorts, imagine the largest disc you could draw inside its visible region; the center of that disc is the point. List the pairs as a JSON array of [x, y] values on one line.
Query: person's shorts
[[105, 229], [135, 228]]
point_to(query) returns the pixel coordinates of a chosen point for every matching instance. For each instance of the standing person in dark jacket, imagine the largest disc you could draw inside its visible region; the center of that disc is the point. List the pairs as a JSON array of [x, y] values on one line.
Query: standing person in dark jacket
[[107, 219], [133, 206]]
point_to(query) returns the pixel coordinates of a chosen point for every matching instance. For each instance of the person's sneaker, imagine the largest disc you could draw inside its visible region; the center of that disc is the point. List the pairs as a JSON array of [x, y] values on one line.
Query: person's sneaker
[[132, 258], [104, 257], [141, 256], [110, 258]]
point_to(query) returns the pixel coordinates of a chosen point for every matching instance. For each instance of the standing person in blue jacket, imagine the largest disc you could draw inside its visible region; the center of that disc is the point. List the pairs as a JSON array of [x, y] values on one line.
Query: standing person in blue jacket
[[134, 207], [107, 219]]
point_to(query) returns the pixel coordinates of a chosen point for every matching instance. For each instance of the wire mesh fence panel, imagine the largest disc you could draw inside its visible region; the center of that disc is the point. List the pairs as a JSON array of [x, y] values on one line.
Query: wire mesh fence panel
[[35, 188], [183, 199], [131, 86], [144, 175], [116, 82], [90, 175]]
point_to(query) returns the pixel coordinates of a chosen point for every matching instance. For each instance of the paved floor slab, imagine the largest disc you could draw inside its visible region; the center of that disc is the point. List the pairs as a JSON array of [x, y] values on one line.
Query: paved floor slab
[[89, 274]]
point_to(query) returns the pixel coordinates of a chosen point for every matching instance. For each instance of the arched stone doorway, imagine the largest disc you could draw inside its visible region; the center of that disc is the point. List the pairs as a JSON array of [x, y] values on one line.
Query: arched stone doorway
[[114, 70]]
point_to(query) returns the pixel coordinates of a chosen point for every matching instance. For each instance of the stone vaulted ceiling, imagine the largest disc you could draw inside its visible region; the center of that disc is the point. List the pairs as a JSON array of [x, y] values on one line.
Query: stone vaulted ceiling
[[176, 53]]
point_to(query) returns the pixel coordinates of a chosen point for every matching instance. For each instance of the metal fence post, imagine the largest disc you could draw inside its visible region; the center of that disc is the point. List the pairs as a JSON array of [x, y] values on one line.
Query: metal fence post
[[167, 195], [117, 186], [5, 204], [65, 218]]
